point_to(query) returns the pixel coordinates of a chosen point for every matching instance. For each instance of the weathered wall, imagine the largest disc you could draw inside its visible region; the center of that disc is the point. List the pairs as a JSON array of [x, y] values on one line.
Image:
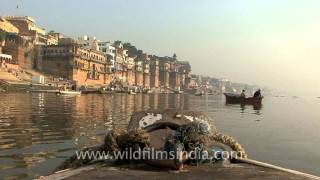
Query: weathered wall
[[146, 80], [130, 77], [60, 66], [22, 52], [139, 78], [154, 74]]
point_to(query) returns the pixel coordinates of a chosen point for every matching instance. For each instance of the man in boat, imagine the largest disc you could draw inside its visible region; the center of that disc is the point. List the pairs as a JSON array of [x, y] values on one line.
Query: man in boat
[[243, 94], [257, 94]]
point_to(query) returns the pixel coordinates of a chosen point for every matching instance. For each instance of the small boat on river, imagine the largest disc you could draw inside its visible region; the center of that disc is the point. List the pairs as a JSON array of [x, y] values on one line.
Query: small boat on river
[[178, 92], [69, 92], [237, 99], [132, 92], [199, 93], [106, 91], [90, 91]]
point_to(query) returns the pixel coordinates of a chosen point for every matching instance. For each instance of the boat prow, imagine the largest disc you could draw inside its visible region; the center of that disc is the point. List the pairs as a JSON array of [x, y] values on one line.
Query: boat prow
[[243, 170], [161, 125]]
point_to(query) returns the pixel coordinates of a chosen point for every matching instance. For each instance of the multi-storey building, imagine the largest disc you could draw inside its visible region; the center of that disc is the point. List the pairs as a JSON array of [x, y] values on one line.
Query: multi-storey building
[[73, 62], [8, 27], [139, 73], [110, 51], [154, 73], [28, 29]]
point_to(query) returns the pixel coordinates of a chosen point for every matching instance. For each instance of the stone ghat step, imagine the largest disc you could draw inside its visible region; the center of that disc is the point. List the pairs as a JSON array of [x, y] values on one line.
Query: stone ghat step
[[250, 169]]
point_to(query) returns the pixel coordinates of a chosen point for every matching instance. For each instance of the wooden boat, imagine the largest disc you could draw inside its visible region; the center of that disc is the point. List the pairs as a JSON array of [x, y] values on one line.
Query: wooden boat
[[132, 92], [161, 124], [237, 99], [69, 92], [199, 93], [178, 92], [90, 91], [44, 91], [146, 91], [243, 170], [106, 92]]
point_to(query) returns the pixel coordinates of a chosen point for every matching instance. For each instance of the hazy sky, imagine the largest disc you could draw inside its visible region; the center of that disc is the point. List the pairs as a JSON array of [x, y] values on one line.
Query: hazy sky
[[274, 43]]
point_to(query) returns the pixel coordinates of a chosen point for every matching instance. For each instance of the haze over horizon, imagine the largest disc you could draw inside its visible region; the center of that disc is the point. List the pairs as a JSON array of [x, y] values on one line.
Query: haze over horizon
[[269, 43]]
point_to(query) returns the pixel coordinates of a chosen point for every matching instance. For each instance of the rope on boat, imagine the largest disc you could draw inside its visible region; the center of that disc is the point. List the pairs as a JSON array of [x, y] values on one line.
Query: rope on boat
[[196, 134]]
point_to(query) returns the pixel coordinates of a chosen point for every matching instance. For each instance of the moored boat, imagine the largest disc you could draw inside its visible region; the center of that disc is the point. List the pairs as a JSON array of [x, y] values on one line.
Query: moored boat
[[90, 91], [178, 92], [199, 93], [106, 91], [237, 99], [45, 91], [69, 92], [132, 92]]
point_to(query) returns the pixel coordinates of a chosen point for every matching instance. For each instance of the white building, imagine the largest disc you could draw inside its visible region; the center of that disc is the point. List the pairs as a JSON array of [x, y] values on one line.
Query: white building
[[109, 50], [86, 41]]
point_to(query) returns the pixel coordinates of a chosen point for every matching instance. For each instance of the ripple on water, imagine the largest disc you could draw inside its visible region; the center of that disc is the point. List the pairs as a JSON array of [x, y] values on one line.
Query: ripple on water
[[44, 129]]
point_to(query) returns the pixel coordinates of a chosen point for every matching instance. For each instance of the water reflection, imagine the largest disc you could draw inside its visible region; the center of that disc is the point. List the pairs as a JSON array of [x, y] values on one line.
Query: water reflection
[[39, 130], [255, 107]]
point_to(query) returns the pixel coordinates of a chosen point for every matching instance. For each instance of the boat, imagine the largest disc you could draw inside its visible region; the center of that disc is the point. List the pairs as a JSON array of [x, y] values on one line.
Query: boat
[[69, 92], [237, 99], [106, 91], [199, 92], [146, 91], [155, 127], [132, 92], [44, 91], [90, 91], [178, 92]]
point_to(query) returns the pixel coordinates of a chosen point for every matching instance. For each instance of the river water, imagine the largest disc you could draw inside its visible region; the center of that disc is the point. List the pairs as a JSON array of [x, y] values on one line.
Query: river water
[[38, 131]]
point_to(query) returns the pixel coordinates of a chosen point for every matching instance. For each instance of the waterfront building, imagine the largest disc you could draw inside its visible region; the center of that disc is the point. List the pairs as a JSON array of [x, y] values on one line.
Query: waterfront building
[[185, 74], [5, 59], [139, 73], [23, 51], [56, 35], [8, 27], [71, 61], [164, 70], [120, 63], [51, 40], [28, 29], [154, 73], [110, 51], [86, 60], [86, 41], [130, 71], [146, 73]]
